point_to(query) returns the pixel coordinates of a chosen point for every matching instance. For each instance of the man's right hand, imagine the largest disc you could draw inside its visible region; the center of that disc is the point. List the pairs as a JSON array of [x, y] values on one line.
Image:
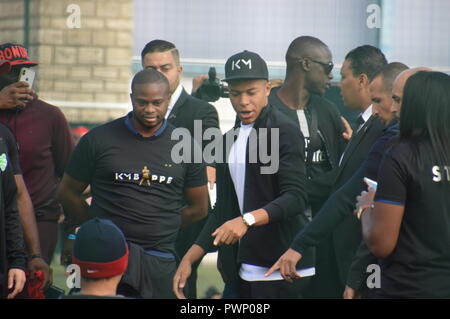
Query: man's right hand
[[347, 135], [287, 265], [16, 94], [181, 276], [36, 264], [16, 281]]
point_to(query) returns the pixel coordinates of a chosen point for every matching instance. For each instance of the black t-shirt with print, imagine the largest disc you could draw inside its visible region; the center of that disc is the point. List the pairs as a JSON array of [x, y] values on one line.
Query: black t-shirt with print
[[318, 162], [419, 266], [135, 182]]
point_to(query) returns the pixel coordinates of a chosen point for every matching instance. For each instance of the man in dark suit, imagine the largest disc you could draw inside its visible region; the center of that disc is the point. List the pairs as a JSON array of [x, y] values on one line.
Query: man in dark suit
[[335, 253], [184, 111], [357, 278], [341, 203]]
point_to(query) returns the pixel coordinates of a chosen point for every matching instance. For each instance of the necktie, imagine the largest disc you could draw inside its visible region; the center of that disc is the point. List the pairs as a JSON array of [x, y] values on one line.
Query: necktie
[[359, 122]]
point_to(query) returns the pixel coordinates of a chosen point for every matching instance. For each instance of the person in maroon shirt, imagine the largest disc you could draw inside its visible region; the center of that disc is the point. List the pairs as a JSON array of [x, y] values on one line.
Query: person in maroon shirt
[[44, 142]]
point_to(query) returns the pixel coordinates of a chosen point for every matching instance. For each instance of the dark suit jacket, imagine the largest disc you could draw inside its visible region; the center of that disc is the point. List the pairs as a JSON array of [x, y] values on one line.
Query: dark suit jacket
[[187, 109], [346, 236], [281, 194]]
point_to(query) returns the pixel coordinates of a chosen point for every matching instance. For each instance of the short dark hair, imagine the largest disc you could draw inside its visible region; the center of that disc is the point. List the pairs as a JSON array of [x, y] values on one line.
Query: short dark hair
[[388, 73], [149, 76], [367, 60], [161, 46], [426, 112]]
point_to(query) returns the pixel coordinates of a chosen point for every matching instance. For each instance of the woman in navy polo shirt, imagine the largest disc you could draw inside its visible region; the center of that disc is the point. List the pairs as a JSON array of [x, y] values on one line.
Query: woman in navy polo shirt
[[408, 225]]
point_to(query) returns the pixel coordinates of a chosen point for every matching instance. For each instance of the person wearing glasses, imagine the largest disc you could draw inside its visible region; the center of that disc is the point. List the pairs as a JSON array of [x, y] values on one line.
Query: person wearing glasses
[[308, 75], [335, 253]]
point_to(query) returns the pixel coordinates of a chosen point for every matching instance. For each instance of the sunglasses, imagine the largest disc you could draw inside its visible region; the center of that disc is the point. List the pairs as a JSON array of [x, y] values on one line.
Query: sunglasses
[[327, 66]]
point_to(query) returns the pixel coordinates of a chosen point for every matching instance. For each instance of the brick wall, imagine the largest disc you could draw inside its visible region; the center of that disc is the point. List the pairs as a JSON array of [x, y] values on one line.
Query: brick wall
[[87, 64], [11, 20]]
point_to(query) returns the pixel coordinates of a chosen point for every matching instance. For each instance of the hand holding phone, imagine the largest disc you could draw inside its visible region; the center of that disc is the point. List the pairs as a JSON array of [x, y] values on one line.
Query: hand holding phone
[[14, 95], [371, 183]]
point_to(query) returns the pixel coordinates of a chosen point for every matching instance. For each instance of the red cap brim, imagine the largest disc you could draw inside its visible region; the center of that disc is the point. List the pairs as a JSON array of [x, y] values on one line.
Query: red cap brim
[[23, 62], [103, 270], [5, 67]]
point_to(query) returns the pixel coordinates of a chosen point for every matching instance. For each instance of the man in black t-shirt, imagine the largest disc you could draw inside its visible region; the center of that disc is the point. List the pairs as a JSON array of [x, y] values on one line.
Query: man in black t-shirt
[[184, 111], [114, 159]]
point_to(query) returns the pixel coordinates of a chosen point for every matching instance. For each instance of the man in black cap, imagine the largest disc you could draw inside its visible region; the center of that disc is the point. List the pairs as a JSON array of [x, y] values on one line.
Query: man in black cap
[[259, 207], [101, 252]]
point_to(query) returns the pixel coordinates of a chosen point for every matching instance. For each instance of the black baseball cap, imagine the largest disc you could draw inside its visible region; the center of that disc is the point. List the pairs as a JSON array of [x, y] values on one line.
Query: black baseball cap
[[246, 65]]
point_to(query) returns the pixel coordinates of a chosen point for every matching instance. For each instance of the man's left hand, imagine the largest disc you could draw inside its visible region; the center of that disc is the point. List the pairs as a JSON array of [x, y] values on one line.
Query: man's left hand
[[230, 232]]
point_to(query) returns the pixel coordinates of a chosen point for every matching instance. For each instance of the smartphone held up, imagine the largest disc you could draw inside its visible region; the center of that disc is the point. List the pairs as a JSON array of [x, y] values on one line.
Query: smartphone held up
[[27, 75]]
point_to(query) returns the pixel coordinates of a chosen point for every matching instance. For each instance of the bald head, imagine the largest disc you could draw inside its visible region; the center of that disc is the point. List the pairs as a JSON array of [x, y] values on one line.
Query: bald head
[[399, 85], [305, 46], [308, 65]]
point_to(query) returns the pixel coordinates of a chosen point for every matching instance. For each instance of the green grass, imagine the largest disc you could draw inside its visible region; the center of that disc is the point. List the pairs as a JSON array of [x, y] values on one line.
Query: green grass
[[208, 275], [59, 277]]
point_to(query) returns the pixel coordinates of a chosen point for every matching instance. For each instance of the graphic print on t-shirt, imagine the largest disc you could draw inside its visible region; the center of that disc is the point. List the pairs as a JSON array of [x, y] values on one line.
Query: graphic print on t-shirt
[[145, 178]]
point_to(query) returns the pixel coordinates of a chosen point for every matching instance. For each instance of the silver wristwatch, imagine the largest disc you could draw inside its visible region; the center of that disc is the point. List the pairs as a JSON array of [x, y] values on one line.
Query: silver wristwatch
[[248, 219]]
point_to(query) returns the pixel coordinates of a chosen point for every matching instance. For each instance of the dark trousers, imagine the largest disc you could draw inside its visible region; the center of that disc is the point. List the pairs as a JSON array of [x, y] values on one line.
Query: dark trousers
[[48, 237], [147, 276], [326, 284], [186, 238], [277, 289]]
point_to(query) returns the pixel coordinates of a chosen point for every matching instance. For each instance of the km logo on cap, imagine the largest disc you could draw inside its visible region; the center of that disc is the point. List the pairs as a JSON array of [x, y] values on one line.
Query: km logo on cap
[[236, 64]]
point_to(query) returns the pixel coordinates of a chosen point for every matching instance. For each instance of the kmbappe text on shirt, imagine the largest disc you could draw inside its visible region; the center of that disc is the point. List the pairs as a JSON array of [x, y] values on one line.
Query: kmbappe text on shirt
[[262, 146]]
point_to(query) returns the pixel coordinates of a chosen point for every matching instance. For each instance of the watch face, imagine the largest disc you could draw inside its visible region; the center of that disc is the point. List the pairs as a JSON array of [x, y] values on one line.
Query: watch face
[[249, 219]]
